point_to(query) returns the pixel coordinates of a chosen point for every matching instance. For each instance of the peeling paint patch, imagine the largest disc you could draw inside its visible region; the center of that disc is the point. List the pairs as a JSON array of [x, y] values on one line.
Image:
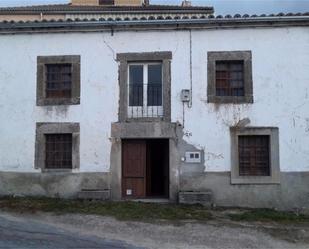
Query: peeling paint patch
[[229, 114], [210, 156], [59, 111]]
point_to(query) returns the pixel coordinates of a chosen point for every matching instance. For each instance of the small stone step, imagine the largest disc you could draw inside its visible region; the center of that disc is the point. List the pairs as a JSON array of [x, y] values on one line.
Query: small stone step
[[94, 194], [196, 197]]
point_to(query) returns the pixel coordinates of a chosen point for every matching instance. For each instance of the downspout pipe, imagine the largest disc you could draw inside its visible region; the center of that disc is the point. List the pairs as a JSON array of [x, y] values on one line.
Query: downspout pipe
[[191, 72]]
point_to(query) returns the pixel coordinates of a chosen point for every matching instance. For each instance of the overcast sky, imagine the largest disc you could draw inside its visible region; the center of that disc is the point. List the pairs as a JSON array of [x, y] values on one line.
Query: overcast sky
[[221, 6]]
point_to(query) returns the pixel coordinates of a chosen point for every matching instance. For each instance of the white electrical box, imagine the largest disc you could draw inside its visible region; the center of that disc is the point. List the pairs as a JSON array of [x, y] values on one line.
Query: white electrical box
[[185, 95], [193, 157], [129, 191]]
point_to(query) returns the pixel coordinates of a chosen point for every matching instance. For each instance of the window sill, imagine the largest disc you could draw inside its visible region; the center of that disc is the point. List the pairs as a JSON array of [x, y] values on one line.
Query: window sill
[[154, 119], [230, 99], [57, 170], [66, 101]]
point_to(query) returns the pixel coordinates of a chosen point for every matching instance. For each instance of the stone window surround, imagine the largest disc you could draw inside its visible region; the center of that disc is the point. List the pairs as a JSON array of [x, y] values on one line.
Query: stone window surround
[[273, 133], [246, 57], [125, 59], [56, 128], [41, 81]]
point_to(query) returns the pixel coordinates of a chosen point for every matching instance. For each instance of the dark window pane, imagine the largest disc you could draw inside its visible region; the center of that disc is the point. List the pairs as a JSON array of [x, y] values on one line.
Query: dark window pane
[[254, 157], [136, 95], [236, 83], [236, 75], [58, 80], [237, 66], [136, 75], [154, 95], [58, 151], [230, 78], [237, 92], [221, 66], [155, 74], [154, 91]]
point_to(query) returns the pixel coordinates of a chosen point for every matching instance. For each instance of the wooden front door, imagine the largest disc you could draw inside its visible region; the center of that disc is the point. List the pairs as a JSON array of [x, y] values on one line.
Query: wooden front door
[[134, 168]]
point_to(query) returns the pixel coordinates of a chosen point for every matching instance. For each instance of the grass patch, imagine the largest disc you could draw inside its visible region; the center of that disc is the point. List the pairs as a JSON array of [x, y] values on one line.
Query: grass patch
[[119, 210], [269, 215]]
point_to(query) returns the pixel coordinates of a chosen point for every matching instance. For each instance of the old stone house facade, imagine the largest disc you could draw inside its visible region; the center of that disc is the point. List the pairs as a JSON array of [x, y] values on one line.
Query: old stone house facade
[[154, 107]]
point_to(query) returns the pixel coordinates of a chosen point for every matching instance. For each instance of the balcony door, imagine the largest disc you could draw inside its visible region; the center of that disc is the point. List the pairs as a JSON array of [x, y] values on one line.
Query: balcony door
[[145, 90]]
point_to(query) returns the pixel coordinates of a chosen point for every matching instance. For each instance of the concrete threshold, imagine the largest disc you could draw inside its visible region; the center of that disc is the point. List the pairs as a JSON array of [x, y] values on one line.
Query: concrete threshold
[[153, 200]]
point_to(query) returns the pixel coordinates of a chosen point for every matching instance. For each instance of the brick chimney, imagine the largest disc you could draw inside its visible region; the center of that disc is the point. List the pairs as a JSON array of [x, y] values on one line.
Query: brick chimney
[[129, 2], [85, 2], [110, 2], [186, 3]]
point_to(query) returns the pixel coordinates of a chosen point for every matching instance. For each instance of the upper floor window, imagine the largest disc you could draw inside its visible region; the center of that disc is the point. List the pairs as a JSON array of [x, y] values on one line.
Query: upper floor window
[[58, 149], [145, 86], [58, 80], [145, 90], [230, 77]]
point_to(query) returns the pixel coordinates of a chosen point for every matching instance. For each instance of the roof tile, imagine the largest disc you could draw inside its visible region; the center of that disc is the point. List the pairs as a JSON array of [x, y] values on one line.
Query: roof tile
[[73, 8]]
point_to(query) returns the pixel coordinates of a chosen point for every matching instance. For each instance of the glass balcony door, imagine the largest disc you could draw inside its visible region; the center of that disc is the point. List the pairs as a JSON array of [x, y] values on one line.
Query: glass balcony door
[[145, 90]]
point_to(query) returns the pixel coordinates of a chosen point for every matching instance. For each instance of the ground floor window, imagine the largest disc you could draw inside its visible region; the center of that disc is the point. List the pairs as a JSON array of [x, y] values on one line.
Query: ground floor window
[[255, 155], [57, 146], [58, 151]]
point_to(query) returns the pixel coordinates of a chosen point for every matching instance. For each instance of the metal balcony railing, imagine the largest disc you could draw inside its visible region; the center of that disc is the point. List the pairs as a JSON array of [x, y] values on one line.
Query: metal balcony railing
[[145, 101]]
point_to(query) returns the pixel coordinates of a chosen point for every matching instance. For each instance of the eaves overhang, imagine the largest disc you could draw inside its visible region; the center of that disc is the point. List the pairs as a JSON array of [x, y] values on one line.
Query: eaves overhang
[[136, 25], [189, 11]]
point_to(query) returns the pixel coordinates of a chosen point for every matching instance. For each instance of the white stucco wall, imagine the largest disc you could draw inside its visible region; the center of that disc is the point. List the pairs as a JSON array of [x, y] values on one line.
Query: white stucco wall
[[280, 79]]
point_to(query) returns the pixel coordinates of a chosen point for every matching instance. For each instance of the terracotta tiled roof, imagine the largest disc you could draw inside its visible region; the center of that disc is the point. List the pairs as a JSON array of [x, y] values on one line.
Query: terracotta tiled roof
[[67, 8], [184, 18], [259, 16]]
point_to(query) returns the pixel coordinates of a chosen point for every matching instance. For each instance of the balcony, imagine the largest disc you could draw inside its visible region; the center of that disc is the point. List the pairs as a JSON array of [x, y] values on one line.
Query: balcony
[[145, 101]]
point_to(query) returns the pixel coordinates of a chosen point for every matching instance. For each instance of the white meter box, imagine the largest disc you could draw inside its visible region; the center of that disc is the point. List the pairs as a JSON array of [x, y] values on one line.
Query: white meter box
[[185, 95], [193, 157]]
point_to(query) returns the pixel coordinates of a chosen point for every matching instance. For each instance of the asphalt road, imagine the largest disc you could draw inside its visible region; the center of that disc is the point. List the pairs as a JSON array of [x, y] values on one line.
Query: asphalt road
[[19, 234], [80, 231]]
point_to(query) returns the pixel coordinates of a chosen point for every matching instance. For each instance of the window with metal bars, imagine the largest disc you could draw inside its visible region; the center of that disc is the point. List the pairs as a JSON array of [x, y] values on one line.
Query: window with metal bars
[[58, 80], [230, 78], [254, 155], [58, 151]]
